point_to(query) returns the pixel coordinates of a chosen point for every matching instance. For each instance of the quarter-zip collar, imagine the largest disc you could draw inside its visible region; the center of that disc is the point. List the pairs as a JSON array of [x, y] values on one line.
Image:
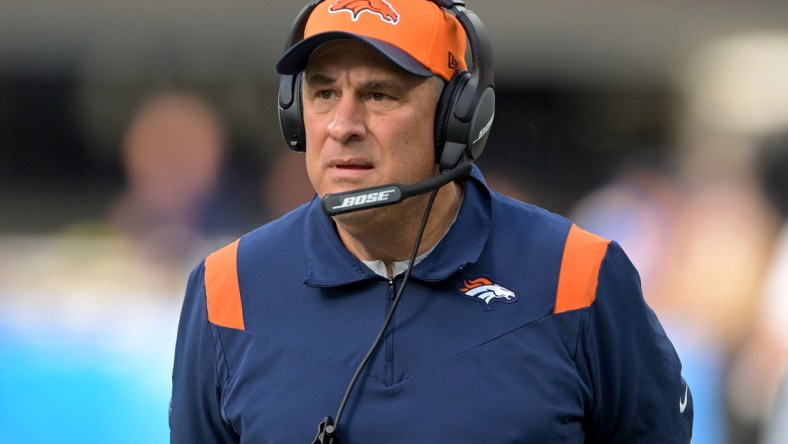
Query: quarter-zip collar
[[331, 264]]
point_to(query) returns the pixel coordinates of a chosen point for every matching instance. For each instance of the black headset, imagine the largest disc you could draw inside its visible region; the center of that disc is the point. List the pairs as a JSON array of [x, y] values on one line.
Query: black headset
[[465, 109]]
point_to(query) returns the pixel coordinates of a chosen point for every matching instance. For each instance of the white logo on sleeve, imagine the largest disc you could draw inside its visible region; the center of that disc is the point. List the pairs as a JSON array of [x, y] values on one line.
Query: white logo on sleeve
[[683, 399]]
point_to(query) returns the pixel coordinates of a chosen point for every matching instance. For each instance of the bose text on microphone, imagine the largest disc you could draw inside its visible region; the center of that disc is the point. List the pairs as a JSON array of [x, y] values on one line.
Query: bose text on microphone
[[379, 196]]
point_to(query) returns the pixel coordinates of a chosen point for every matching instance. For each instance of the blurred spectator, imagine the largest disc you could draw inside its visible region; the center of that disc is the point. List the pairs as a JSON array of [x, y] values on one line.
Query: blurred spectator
[[738, 97], [89, 314], [758, 374], [176, 205], [706, 238], [172, 155]]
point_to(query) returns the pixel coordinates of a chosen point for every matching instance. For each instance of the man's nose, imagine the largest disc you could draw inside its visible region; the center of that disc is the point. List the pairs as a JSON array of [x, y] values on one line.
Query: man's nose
[[348, 121]]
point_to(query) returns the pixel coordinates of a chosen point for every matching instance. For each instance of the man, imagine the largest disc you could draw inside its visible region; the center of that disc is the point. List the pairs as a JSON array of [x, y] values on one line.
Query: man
[[515, 325]]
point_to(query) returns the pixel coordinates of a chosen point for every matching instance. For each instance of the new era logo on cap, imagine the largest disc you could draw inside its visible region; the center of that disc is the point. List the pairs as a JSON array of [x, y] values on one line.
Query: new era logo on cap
[[381, 8], [453, 64]]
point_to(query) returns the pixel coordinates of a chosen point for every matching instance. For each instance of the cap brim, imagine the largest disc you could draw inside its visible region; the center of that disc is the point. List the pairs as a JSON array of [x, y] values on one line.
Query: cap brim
[[295, 59]]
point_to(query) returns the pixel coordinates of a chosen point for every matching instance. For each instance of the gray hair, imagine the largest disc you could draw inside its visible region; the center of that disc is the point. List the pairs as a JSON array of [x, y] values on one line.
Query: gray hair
[[438, 85]]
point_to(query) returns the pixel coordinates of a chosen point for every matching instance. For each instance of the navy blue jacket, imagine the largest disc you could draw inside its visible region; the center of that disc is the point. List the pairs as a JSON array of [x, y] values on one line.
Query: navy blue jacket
[[518, 327]]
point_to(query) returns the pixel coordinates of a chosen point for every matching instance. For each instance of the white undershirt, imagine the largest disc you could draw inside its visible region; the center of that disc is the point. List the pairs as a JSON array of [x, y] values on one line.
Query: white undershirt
[[399, 267]]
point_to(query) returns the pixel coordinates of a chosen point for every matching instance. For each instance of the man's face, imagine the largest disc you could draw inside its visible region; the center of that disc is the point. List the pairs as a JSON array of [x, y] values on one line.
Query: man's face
[[367, 122]]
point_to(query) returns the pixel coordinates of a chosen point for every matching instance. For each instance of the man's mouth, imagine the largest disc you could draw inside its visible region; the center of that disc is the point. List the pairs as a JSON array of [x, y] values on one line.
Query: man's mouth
[[355, 167]]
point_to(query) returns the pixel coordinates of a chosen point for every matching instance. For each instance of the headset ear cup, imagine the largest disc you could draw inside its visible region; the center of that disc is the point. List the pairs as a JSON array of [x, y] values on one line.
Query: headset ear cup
[[291, 114], [445, 107]]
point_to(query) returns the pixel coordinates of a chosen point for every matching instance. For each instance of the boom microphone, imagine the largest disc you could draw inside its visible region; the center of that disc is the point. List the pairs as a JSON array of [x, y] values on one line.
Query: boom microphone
[[380, 196]]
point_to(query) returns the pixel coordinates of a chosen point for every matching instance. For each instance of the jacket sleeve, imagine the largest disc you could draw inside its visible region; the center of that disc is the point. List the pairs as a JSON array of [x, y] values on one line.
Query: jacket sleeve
[[633, 373], [195, 407]]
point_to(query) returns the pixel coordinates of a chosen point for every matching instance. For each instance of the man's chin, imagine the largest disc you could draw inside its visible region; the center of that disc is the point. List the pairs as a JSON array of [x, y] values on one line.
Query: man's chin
[[357, 217]]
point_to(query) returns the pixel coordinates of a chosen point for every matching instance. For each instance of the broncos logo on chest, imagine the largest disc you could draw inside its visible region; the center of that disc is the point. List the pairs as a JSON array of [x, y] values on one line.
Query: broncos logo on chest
[[486, 291], [381, 8]]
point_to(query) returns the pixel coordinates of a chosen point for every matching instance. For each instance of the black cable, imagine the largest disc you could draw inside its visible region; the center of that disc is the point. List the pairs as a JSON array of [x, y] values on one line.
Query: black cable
[[327, 430]]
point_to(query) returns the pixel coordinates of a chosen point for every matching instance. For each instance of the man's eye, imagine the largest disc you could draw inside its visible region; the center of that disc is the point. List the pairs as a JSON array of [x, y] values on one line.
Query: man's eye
[[325, 94], [376, 96]]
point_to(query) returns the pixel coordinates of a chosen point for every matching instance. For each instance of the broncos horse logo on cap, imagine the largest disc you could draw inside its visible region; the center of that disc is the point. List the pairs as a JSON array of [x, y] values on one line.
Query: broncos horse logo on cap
[[381, 8], [484, 290]]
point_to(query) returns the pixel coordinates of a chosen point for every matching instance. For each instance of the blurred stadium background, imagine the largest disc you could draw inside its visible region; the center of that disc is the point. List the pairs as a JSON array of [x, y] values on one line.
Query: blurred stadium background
[[135, 137]]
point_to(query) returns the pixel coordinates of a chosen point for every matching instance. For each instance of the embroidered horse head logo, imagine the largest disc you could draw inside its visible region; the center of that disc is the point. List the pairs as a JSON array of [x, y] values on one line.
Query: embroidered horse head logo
[[486, 291], [381, 8]]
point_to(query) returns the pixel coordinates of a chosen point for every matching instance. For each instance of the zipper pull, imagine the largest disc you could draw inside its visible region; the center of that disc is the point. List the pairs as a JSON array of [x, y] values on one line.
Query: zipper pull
[[392, 290]]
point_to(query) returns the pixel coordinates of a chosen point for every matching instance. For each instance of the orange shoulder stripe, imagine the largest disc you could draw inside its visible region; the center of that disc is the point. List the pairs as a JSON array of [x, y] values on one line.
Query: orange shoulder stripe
[[222, 290], [577, 279]]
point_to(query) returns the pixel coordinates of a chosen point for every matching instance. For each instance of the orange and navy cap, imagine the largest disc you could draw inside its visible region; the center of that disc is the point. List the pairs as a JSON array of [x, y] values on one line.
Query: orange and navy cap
[[417, 35]]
